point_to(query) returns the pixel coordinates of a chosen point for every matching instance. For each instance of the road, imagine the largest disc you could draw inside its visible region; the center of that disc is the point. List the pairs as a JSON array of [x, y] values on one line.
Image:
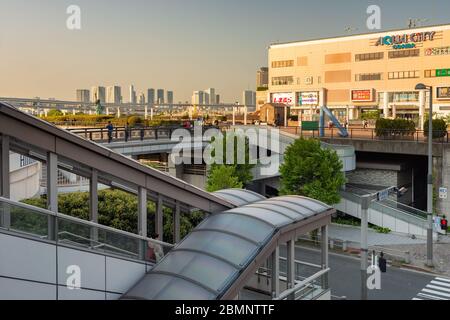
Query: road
[[396, 283]]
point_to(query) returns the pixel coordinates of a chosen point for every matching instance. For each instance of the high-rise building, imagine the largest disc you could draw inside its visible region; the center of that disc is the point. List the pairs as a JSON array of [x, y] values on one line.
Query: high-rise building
[[248, 98], [262, 78], [217, 98], [142, 98], [198, 97], [151, 96], [160, 96], [133, 98], [98, 93], [113, 94], [210, 96], [170, 97], [83, 95]]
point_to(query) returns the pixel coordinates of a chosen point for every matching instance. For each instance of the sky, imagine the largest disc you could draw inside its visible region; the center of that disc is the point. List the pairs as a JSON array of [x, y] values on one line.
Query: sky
[[179, 45]]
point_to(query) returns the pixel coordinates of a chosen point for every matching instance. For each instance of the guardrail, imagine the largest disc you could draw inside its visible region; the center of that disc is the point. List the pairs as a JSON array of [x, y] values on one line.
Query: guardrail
[[43, 224], [372, 134], [310, 288]]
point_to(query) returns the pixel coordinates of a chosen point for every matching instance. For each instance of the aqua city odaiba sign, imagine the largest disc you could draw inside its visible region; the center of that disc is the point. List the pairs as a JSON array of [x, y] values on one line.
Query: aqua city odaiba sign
[[405, 41]]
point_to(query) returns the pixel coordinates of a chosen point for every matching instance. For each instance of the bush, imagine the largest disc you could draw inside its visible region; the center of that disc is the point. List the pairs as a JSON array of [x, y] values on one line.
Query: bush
[[394, 127], [371, 115], [439, 128], [135, 121], [54, 113]]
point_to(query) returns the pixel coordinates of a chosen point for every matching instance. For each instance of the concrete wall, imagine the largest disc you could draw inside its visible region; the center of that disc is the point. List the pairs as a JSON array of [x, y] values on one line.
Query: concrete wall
[[31, 269]]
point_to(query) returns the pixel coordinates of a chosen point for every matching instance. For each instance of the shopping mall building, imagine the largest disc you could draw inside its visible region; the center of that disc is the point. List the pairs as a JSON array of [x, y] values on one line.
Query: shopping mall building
[[355, 74]]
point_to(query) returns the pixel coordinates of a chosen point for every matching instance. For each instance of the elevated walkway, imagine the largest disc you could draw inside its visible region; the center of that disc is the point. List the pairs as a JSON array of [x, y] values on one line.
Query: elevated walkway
[[222, 254]]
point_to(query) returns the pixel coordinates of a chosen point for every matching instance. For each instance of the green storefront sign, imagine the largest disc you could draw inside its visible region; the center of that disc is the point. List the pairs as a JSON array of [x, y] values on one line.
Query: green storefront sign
[[443, 73]]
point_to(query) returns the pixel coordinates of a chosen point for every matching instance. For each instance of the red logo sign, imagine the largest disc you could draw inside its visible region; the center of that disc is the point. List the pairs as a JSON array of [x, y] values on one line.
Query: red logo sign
[[362, 95]]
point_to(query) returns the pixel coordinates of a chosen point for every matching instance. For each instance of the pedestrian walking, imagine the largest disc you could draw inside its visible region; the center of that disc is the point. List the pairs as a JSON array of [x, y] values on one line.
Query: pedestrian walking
[[110, 129], [382, 262], [444, 224]]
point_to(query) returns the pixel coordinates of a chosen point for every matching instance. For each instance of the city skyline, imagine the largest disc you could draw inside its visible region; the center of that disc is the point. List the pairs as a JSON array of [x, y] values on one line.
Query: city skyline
[[166, 57]]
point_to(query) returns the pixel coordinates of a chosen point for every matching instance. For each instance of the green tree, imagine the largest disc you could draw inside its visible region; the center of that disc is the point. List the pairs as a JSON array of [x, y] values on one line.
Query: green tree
[[311, 171], [54, 113], [222, 177]]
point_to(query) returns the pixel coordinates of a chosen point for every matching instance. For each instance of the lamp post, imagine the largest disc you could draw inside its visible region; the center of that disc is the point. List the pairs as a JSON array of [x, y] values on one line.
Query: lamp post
[[421, 86]]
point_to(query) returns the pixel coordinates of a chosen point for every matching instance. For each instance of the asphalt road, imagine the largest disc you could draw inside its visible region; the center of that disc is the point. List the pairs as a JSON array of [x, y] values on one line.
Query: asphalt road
[[396, 283]]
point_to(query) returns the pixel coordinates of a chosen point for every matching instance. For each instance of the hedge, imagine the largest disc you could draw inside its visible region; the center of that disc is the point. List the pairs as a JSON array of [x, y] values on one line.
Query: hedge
[[439, 128], [396, 127]]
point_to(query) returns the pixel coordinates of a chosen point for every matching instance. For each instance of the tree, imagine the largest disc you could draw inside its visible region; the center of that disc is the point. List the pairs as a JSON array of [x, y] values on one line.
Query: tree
[[311, 171], [222, 177]]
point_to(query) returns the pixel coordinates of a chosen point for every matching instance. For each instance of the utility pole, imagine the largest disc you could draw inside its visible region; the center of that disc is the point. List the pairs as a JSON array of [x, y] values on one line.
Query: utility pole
[[366, 200]]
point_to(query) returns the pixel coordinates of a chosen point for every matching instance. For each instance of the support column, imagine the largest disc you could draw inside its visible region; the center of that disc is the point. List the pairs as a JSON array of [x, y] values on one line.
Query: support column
[[291, 264], [118, 112], [5, 221], [276, 272], [324, 254], [245, 115], [234, 116], [386, 104], [52, 193], [394, 112], [142, 211], [176, 223], [159, 218], [422, 102], [285, 117], [151, 113], [146, 112], [93, 203]]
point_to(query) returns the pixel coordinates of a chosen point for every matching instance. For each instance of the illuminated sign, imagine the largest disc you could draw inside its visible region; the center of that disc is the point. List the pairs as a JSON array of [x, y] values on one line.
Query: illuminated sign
[[405, 41], [442, 51], [308, 98], [442, 72], [286, 98], [362, 95], [443, 92]]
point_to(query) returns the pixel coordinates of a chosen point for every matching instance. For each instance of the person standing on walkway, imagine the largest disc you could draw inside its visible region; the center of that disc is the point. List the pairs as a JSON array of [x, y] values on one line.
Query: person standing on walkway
[[444, 224], [382, 262], [110, 129], [127, 132]]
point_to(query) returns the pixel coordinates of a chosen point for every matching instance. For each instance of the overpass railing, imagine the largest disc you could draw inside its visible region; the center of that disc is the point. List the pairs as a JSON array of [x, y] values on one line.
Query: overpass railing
[[45, 225], [373, 134], [122, 134]]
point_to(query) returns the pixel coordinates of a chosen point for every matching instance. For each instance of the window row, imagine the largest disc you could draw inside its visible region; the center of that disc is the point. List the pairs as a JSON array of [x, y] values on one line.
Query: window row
[[404, 53], [404, 75], [283, 64], [369, 56], [282, 81], [368, 76]]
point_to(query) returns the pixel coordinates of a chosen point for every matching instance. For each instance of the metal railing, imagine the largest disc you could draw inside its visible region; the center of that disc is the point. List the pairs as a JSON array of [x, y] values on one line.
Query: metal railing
[[46, 225], [309, 288], [373, 134]]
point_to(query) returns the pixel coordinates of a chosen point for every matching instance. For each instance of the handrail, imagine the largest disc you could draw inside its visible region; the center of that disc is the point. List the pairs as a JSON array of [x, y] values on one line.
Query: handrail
[[84, 222], [301, 284], [303, 263]]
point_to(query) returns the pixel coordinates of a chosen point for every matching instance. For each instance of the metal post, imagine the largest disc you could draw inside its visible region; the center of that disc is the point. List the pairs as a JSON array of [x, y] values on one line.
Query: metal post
[[142, 211], [324, 245], [430, 185], [5, 220], [276, 272], [93, 203], [52, 193], [245, 115], [364, 226], [159, 218], [291, 265], [234, 116], [176, 223]]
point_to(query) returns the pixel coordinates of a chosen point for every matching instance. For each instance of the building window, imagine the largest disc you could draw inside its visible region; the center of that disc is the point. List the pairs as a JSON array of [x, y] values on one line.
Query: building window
[[408, 96], [369, 56], [404, 53], [368, 76], [282, 81], [283, 64], [430, 73], [403, 75]]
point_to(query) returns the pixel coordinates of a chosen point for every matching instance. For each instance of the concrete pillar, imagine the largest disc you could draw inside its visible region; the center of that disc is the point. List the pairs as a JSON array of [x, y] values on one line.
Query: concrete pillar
[[234, 116], [159, 226], [245, 115], [176, 223], [276, 272], [5, 221], [118, 112], [285, 117], [151, 113], [52, 193], [394, 111], [324, 254], [291, 263], [422, 101], [142, 211], [93, 204], [386, 104], [146, 112], [74, 112]]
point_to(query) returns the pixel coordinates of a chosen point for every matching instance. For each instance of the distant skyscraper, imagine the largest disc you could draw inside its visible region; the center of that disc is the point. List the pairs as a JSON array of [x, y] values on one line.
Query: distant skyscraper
[[217, 98], [170, 97], [133, 98], [210, 96], [151, 96], [262, 78], [248, 98], [160, 96], [142, 98], [83, 95], [113, 94], [198, 97], [98, 93]]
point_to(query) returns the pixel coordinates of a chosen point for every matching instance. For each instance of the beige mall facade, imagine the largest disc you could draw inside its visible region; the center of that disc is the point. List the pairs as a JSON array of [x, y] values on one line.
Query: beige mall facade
[[360, 73]]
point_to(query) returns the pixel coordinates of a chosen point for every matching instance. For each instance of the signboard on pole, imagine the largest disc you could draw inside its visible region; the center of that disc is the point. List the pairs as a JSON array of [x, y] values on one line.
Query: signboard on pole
[[383, 195], [443, 192]]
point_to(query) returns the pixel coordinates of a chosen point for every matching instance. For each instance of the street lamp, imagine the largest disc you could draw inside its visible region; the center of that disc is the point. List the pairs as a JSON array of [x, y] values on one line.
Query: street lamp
[[421, 86]]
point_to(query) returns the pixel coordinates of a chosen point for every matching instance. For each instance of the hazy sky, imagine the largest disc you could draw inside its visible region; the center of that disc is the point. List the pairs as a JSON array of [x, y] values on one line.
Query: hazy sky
[[182, 45]]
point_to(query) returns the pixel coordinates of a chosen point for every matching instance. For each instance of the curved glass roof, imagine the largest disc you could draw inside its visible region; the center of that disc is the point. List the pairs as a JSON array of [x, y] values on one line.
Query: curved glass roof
[[211, 258], [239, 197]]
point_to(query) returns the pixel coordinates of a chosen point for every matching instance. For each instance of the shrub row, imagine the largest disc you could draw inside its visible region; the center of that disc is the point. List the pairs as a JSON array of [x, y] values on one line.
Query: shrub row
[[398, 127], [439, 128]]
